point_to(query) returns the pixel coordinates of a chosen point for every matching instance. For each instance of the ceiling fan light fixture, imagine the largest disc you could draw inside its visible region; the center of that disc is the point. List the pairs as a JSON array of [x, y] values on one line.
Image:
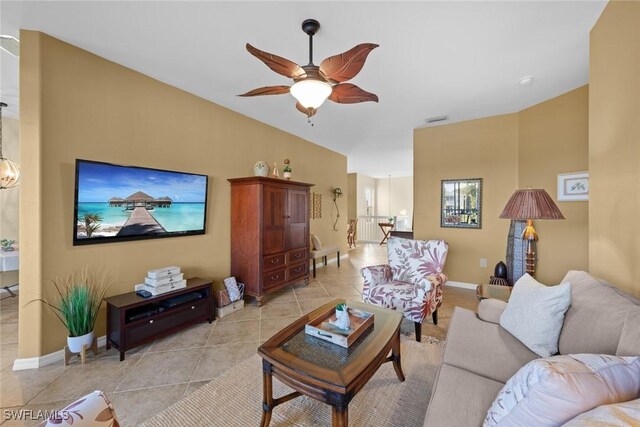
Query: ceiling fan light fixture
[[311, 93]]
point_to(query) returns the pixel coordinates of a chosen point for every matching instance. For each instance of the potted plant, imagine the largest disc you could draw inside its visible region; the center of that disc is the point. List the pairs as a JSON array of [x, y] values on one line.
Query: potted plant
[[76, 305]]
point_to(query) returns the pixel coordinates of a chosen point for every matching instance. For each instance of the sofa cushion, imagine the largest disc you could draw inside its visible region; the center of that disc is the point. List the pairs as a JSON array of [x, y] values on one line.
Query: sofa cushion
[[552, 391], [616, 414], [484, 348], [460, 398], [594, 321], [535, 314], [629, 344], [394, 295], [490, 310]]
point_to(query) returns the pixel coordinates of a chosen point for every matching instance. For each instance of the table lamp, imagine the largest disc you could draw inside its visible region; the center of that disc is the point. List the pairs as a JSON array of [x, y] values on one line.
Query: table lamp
[[527, 205]]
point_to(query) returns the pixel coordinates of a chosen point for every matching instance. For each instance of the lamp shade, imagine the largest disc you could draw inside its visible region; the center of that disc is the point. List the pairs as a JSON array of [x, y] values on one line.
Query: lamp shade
[[311, 93], [531, 203]]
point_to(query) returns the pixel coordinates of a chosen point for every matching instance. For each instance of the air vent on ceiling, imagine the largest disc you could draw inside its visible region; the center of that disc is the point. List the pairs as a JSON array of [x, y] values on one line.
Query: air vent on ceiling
[[436, 119]]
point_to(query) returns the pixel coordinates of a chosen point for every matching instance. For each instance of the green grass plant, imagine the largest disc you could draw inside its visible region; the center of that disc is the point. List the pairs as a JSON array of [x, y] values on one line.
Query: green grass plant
[[78, 300]]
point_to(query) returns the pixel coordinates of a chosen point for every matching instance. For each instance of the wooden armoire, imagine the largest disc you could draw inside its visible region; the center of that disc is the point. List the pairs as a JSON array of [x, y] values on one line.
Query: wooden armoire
[[269, 233]]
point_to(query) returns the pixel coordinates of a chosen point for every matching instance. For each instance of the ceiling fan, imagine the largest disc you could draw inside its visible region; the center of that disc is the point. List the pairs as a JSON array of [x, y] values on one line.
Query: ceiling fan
[[314, 84]]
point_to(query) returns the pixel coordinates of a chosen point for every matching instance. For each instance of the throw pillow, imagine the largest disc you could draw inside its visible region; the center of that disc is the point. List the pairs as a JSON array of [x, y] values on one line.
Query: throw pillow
[[317, 244], [618, 414], [535, 313], [231, 286], [629, 344], [93, 409], [552, 391]]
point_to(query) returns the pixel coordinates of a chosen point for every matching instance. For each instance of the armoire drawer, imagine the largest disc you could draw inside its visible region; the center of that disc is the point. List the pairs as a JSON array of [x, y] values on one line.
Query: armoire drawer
[[273, 262], [296, 255], [273, 278], [298, 270]]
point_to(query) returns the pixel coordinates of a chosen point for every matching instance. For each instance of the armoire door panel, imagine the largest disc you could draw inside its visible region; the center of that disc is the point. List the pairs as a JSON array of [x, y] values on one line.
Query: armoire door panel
[[298, 214], [274, 219]]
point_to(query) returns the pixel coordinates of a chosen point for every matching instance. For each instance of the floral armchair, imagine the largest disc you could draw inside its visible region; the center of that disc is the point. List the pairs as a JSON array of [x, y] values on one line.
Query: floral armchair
[[412, 281]]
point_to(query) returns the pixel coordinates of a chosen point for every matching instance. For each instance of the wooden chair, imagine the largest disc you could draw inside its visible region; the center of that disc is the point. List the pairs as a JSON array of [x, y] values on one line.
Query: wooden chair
[[351, 233]]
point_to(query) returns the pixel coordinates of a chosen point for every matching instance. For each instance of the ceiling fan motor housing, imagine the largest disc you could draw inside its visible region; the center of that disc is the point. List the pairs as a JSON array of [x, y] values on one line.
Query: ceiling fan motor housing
[[310, 26]]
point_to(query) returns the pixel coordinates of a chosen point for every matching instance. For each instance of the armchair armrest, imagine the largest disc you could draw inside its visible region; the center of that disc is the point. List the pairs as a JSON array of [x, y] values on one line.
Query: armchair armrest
[[375, 275], [430, 283]]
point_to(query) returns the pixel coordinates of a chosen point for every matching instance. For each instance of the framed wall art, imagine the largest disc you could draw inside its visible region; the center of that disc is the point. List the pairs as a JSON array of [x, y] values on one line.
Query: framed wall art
[[573, 186], [461, 203]]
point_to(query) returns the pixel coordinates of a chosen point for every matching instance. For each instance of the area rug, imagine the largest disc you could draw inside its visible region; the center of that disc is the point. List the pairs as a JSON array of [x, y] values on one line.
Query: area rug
[[235, 398]]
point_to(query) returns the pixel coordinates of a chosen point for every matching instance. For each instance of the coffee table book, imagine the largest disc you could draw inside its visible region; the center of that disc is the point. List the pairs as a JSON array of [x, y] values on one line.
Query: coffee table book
[[324, 327]]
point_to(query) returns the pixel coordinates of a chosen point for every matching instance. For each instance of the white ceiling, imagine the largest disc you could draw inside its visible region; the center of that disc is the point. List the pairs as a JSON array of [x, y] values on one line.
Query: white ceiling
[[462, 59]]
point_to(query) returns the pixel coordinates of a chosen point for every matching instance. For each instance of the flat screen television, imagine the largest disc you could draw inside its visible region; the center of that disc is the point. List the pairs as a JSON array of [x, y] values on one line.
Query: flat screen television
[[117, 203]]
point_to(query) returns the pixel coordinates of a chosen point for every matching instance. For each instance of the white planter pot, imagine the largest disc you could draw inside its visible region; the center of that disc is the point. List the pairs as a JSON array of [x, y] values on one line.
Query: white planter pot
[[286, 175], [261, 168], [75, 343]]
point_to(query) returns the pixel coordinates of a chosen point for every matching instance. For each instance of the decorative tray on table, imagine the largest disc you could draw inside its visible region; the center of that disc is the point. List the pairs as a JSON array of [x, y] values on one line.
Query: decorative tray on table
[[325, 328]]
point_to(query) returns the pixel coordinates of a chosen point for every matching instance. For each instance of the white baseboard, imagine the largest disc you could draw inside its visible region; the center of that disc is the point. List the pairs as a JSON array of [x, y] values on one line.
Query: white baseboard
[[462, 285], [47, 359]]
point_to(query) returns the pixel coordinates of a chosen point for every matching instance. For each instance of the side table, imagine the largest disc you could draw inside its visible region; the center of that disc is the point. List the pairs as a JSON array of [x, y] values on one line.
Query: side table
[[486, 291], [386, 228]]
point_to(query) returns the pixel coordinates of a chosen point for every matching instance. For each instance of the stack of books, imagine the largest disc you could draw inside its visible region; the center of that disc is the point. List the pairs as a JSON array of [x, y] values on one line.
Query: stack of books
[[163, 280]]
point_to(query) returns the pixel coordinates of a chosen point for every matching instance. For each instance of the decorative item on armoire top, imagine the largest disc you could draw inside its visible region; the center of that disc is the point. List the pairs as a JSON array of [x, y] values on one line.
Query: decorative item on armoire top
[[261, 168], [275, 173], [337, 193], [286, 171], [530, 204], [9, 170]]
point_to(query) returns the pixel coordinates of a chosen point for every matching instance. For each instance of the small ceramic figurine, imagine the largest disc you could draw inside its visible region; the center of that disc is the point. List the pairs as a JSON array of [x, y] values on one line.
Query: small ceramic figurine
[[275, 172], [261, 168], [286, 171], [342, 317]]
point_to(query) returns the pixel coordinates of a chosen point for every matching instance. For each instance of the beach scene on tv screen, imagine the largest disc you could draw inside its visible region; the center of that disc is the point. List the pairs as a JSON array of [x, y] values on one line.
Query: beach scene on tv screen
[[120, 201]]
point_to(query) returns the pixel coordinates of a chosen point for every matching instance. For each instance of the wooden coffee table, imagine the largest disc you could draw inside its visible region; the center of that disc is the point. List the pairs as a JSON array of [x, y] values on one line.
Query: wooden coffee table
[[326, 371]]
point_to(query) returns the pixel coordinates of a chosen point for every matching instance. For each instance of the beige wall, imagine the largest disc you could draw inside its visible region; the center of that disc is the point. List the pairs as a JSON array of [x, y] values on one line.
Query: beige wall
[[614, 146], [552, 139], [77, 105], [513, 151], [484, 148], [362, 182], [9, 198], [401, 203], [352, 196]]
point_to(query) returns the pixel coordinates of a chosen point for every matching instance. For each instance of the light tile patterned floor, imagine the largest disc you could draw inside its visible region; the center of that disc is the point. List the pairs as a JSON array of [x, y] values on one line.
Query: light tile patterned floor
[[155, 375]]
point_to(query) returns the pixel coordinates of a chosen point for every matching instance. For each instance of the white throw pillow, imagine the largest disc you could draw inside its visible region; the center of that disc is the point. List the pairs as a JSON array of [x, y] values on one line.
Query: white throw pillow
[[315, 241], [552, 391], [535, 314], [618, 414]]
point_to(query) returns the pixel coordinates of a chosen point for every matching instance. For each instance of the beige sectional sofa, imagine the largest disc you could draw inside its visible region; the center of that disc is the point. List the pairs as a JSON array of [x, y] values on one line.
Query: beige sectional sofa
[[480, 356]]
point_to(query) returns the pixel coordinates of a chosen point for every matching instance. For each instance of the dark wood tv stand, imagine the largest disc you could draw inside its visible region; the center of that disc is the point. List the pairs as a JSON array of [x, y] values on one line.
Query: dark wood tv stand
[[133, 320]]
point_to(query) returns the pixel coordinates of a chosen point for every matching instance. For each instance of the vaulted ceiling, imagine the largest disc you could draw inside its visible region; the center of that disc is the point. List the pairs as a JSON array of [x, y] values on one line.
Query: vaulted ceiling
[[461, 59]]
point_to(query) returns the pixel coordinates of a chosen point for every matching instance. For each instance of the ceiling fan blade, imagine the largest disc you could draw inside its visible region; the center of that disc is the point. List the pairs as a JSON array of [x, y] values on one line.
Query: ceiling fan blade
[[347, 65], [309, 112], [347, 93], [277, 63], [267, 90]]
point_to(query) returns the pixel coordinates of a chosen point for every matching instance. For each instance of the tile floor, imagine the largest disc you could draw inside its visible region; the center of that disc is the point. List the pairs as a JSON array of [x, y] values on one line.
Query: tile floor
[[155, 375]]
